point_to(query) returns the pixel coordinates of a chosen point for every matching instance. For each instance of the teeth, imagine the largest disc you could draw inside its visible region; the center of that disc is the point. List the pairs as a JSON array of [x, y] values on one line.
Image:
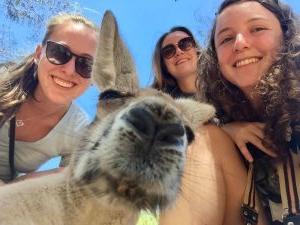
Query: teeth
[[246, 62], [63, 83]]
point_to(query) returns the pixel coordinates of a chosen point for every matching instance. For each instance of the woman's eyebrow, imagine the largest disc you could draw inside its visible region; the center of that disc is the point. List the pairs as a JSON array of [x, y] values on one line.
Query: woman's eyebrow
[[249, 21], [223, 30]]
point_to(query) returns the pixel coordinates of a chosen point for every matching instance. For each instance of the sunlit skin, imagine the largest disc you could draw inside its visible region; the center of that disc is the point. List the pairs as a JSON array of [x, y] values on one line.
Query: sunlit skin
[[60, 84], [183, 65], [57, 85], [247, 40]]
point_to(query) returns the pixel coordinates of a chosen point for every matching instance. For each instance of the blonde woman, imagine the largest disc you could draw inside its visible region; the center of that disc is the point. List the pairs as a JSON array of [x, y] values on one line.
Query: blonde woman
[[38, 119]]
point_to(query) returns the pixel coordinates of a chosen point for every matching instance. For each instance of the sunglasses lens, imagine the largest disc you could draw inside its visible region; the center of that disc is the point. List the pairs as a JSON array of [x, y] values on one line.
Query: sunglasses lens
[[57, 53], [83, 66], [168, 51], [186, 44]]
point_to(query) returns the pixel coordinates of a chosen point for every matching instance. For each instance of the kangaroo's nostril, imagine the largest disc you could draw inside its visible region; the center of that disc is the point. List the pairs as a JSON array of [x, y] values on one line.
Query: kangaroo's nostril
[[142, 120], [170, 133]]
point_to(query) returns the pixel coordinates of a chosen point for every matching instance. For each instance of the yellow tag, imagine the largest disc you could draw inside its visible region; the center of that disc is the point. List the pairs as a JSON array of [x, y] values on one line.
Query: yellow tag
[[147, 218]]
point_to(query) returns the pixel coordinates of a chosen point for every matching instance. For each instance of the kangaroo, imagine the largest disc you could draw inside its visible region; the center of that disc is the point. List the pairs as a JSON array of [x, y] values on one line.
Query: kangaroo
[[131, 156]]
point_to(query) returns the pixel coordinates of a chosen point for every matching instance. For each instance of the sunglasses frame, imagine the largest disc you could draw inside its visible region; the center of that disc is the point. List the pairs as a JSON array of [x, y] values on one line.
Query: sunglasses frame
[[179, 44], [70, 54]]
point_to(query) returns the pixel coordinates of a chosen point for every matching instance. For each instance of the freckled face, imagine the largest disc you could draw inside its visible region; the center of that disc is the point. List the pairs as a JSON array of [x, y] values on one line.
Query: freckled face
[[60, 84], [183, 63], [247, 40]]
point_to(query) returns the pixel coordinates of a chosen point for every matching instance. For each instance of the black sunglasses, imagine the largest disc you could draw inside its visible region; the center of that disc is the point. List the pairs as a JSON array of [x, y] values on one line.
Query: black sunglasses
[[59, 54], [184, 44]]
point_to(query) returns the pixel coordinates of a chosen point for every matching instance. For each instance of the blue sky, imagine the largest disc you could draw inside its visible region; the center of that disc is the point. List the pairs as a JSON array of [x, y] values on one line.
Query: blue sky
[[141, 23]]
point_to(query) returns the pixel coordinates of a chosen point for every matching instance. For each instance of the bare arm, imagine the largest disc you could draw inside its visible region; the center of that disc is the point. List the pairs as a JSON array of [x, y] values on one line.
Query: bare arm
[[63, 163], [38, 174]]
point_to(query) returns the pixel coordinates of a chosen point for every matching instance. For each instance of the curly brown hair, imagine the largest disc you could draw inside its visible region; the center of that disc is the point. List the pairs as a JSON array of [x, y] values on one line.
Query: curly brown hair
[[279, 88]]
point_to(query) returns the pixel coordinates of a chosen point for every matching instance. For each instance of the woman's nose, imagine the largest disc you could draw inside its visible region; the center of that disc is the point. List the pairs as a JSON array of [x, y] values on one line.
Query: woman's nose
[[240, 43], [69, 67], [178, 50]]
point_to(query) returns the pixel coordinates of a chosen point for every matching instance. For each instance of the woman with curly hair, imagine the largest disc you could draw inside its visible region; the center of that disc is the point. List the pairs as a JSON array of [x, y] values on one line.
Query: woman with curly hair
[[207, 177], [251, 74]]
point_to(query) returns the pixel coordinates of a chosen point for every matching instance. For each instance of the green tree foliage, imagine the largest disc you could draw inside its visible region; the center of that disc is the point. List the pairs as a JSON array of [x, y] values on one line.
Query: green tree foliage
[[22, 23]]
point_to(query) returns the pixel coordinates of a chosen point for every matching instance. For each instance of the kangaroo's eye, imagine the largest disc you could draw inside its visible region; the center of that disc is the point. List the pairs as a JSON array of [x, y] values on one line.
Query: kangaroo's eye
[[113, 94]]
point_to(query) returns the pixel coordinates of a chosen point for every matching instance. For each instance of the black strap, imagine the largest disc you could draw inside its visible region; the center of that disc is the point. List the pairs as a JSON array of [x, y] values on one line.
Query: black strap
[[248, 209], [288, 171], [12, 129]]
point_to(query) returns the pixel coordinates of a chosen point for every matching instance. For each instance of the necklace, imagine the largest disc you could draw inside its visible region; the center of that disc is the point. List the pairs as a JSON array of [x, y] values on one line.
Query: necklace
[[21, 122]]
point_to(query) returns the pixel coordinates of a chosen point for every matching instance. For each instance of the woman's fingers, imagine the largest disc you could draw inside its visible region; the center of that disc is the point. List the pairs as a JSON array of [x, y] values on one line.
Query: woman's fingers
[[257, 129], [248, 132], [257, 141], [259, 125], [244, 150]]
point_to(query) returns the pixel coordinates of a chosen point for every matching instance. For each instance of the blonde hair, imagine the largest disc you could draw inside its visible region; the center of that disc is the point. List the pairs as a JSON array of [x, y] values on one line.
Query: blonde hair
[[19, 81], [64, 18]]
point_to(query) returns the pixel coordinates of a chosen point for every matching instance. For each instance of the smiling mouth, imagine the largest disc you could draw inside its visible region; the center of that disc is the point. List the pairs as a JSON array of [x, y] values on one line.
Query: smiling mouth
[[63, 83], [246, 62], [181, 61]]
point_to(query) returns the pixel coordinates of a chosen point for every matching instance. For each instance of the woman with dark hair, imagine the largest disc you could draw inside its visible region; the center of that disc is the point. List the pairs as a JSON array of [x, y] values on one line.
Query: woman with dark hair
[[38, 118], [251, 74], [211, 190], [175, 62]]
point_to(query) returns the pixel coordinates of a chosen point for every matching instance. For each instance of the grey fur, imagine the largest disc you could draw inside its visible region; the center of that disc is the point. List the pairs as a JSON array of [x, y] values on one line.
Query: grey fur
[[131, 158]]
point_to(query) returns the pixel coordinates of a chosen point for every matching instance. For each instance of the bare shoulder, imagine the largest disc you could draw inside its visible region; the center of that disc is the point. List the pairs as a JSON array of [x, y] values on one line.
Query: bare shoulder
[[215, 137], [219, 144], [211, 167], [215, 133]]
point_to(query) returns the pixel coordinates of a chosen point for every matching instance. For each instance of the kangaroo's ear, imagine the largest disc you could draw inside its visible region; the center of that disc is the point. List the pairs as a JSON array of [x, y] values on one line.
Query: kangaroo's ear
[[113, 66], [196, 112]]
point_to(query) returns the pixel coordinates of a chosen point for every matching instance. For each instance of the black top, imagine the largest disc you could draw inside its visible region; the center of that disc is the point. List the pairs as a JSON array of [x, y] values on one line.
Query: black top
[[176, 92], [266, 177]]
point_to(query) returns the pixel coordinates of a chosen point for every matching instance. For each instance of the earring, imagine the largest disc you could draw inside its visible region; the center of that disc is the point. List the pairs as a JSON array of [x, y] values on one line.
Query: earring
[[35, 67]]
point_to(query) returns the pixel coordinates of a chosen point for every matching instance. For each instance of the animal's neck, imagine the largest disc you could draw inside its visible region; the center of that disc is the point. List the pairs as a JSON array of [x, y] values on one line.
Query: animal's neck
[[92, 204]]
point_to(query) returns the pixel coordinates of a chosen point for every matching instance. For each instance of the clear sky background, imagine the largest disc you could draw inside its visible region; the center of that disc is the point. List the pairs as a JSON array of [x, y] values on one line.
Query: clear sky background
[[141, 23]]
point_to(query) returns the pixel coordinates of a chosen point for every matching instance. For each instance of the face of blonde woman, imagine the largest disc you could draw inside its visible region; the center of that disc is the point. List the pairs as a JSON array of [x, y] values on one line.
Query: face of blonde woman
[[183, 63], [247, 40], [62, 83]]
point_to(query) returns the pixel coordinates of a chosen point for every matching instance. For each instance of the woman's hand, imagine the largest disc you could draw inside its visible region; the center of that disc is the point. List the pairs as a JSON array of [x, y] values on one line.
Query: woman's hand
[[247, 132]]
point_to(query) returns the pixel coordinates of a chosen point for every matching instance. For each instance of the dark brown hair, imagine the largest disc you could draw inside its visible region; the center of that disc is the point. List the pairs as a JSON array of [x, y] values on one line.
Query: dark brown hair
[[278, 88], [163, 80]]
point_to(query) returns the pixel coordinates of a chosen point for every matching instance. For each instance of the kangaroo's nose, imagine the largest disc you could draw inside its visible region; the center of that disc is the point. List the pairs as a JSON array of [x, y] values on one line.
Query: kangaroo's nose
[[154, 128], [170, 133], [142, 121]]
